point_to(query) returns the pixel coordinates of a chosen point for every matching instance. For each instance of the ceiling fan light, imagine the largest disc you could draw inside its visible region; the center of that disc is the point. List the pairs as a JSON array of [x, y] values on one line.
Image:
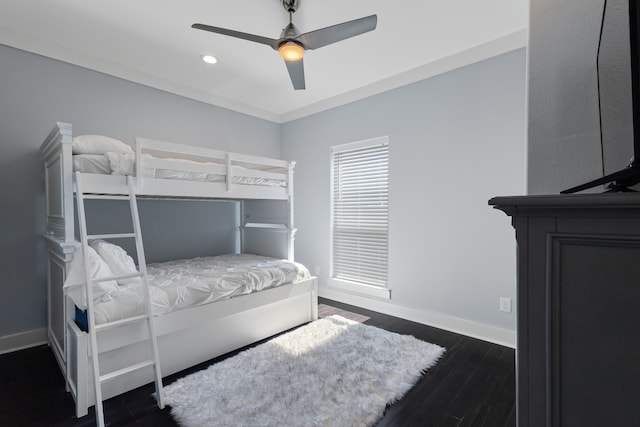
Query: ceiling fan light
[[291, 51], [209, 59]]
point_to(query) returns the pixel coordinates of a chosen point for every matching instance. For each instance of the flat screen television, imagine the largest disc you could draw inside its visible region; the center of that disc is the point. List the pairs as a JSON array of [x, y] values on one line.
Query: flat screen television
[[618, 70]]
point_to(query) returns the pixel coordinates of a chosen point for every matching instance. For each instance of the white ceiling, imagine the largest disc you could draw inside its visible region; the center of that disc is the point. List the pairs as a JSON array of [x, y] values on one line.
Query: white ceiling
[[151, 42]]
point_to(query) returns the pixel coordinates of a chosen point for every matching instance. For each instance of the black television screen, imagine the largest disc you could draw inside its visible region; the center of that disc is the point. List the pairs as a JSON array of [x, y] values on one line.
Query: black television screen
[[618, 71]]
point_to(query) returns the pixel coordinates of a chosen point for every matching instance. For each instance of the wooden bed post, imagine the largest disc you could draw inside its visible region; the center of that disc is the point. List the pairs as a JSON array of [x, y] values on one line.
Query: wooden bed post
[[290, 225], [229, 172], [56, 153], [241, 225], [138, 162]]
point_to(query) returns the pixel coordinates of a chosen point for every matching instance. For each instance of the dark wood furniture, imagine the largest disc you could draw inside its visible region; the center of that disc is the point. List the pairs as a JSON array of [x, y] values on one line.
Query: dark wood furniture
[[578, 308]]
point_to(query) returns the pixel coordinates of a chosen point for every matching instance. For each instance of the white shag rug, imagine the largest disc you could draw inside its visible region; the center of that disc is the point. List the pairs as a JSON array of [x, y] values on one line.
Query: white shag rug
[[331, 372]]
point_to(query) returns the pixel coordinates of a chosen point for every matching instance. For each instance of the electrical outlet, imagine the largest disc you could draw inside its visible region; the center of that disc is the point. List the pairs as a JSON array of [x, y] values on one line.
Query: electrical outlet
[[505, 304], [316, 270]]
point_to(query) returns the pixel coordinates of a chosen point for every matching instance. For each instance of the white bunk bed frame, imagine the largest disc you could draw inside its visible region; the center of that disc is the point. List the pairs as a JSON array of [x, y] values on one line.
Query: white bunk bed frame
[[186, 337]]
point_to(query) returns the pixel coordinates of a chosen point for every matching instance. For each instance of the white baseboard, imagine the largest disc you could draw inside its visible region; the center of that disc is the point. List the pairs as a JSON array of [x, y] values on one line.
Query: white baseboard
[[481, 331], [22, 340]]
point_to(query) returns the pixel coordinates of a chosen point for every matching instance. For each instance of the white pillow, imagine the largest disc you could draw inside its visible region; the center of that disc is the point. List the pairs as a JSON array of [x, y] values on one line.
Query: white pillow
[[98, 144], [117, 259], [98, 268]]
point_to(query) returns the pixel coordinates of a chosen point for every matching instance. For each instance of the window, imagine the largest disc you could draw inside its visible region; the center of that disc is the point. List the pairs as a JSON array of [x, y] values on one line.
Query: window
[[360, 217]]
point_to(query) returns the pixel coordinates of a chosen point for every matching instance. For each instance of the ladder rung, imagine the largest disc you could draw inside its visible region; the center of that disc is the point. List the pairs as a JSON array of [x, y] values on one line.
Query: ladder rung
[[103, 279], [115, 374], [121, 322], [116, 278], [110, 236], [128, 276], [104, 197]]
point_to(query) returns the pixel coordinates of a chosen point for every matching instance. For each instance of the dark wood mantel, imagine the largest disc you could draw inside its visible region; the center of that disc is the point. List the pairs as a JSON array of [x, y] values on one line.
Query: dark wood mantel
[[613, 203], [578, 308]]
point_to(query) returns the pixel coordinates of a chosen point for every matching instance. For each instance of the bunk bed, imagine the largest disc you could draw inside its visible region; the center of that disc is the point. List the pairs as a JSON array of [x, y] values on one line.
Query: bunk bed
[[186, 336]]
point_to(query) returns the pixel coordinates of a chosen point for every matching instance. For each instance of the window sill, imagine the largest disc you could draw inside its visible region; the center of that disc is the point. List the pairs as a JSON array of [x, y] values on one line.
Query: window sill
[[359, 288]]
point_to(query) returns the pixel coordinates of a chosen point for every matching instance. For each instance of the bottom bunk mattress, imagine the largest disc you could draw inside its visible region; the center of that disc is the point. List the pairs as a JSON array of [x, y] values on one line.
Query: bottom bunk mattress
[[176, 285]]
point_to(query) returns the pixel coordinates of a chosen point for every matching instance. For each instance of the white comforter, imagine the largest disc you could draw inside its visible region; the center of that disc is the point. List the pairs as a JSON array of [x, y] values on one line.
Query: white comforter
[[180, 284]]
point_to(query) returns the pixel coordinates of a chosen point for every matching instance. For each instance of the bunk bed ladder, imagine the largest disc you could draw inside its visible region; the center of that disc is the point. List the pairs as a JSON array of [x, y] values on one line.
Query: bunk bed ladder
[[154, 362]]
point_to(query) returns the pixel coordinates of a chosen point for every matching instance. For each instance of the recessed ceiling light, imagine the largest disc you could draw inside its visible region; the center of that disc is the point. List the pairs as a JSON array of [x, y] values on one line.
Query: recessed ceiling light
[[209, 59]]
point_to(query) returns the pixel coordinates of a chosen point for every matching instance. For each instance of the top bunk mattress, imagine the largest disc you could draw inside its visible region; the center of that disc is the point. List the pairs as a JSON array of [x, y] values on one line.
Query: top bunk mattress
[[112, 163], [176, 285]]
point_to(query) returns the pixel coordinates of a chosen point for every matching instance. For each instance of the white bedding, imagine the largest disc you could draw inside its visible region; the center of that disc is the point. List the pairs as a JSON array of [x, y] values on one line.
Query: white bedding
[[91, 163], [176, 285], [112, 163]]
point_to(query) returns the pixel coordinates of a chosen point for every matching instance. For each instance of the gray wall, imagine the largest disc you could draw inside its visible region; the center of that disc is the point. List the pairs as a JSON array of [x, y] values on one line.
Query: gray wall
[[170, 230], [35, 92], [564, 146], [456, 140]]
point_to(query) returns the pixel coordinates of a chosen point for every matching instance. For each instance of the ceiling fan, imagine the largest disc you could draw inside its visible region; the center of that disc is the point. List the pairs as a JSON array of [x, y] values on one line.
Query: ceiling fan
[[292, 44]]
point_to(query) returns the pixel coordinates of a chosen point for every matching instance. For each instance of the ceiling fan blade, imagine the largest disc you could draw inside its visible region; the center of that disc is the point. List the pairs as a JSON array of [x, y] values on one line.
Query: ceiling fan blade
[[237, 34], [335, 33], [296, 72]]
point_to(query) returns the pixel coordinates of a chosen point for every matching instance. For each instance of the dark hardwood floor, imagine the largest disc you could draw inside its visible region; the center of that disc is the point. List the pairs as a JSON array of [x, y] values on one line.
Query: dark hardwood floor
[[473, 384]]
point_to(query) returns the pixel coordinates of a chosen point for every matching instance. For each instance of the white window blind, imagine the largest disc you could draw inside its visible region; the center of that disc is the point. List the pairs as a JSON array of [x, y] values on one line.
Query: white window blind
[[360, 212]]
